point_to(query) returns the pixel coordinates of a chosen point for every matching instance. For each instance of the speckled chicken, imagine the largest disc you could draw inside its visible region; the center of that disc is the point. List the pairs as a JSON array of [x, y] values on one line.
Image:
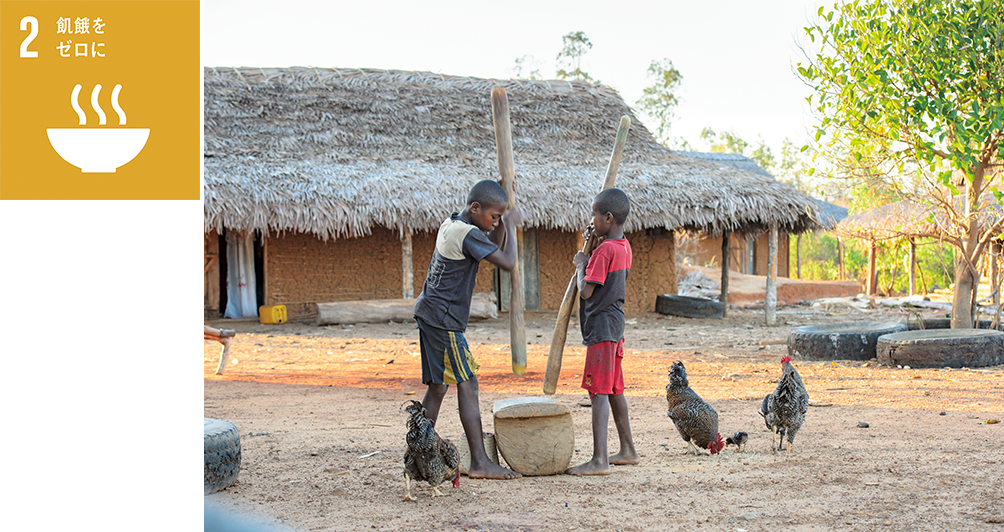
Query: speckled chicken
[[696, 421], [429, 457], [784, 410]]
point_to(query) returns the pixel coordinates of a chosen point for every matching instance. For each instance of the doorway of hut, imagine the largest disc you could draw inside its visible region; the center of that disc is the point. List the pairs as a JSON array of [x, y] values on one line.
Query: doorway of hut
[[242, 267], [529, 273]]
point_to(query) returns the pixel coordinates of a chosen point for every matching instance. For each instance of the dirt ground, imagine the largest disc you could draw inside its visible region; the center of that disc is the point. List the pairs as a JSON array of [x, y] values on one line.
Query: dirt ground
[[323, 438]]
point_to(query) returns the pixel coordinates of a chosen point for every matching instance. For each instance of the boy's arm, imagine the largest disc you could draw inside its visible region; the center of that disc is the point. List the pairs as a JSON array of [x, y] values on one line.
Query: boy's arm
[[586, 288], [505, 256]]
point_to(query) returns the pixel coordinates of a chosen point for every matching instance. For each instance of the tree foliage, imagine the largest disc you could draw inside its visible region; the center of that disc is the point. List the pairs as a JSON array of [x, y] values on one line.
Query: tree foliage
[[574, 46], [659, 99], [910, 96]]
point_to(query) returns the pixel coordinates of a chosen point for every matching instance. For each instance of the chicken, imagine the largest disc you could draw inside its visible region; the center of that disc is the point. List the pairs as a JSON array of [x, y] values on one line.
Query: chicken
[[429, 457], [696, 421], [784, 410], [738, 439]]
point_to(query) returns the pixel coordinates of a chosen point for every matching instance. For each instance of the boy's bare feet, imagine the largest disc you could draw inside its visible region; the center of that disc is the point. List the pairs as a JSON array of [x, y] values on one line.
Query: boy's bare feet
[[624, 458], [493, 471], [592, 467]]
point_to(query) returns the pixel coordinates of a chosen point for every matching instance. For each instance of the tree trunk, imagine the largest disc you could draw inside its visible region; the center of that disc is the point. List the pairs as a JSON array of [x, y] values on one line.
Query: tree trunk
[[962, 296], [967, 277], [726, 259]]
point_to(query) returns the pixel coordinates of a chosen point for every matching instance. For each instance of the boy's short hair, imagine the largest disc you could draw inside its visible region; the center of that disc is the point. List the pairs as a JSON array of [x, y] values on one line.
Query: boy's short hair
[[614, 201], [488, 194]]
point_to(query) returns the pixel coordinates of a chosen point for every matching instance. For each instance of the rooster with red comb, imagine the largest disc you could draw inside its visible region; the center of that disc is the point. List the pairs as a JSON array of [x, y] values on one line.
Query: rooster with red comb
[[784, 410]]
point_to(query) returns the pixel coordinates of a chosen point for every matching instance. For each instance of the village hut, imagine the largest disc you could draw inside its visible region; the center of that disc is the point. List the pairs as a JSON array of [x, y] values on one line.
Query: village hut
[[912, 220], [328, 185]]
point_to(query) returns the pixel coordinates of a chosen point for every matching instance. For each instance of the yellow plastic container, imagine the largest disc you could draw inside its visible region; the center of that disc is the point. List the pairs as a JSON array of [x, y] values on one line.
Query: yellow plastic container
[[272, 314]]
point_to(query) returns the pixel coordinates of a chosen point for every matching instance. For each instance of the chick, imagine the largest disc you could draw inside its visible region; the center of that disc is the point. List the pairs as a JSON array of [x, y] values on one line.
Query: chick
[[738, 439]]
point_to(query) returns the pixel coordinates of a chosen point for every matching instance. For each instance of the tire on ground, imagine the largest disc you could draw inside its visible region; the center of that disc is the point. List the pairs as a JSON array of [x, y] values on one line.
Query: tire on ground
[[937, 348], [223, 454], [689, 307], [839, 341]]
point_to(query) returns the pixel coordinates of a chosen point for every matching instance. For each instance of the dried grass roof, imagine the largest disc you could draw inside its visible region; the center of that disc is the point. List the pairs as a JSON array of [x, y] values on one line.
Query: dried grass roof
[[336, 152], [921, 218], [826, 215]]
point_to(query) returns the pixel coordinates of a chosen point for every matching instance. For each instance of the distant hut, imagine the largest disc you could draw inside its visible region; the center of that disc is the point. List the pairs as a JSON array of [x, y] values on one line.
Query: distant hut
[[749, 250], [910, 220], [339, 178]]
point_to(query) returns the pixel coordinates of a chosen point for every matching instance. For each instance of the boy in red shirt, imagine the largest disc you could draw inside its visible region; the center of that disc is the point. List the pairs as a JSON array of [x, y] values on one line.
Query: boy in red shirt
[[602, 278]]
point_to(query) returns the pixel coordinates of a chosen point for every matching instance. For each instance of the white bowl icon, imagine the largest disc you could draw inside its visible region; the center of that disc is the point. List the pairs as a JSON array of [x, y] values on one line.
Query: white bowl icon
[[98, 150]]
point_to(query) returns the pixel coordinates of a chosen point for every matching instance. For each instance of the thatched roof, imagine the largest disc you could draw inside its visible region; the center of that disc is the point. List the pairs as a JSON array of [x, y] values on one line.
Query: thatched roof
[[337, 152], [901, 219], [907, 219], [826, 215], [734, 160]]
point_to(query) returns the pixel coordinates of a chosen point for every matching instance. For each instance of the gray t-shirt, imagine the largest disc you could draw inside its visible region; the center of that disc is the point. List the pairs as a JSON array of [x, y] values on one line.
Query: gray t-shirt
[[445, 301]]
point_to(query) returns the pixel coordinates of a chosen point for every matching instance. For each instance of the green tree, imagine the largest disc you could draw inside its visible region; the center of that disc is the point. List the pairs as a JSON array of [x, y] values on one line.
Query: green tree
[[729, 142], [574, 46], [659, 99], [724, 142], [917, 87]]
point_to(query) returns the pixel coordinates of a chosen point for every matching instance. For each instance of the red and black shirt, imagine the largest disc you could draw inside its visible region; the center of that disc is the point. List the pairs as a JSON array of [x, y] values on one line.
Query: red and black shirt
[[601, 316]]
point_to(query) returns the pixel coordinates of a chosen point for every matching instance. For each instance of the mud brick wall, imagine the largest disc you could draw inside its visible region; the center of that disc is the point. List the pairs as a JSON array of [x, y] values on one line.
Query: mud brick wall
[[711, 249], [302, 268], [556, 249], [653, 271], [762, 249], [423, 243]]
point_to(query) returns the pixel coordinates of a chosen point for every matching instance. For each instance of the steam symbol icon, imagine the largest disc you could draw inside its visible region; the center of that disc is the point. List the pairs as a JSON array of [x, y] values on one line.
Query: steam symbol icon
[[98, 150]]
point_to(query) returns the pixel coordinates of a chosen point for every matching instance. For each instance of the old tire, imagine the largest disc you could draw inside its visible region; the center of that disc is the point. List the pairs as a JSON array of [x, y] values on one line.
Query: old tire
[[937, 348], [689, 307], [941, 323], [223, 454], [839, 341]]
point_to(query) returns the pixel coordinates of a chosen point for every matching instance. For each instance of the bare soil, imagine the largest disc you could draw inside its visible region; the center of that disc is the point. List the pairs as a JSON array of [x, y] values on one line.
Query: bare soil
[[322, 435]]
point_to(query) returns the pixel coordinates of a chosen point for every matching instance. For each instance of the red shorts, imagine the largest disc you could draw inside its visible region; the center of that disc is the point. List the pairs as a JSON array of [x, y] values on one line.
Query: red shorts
[[602, 374]]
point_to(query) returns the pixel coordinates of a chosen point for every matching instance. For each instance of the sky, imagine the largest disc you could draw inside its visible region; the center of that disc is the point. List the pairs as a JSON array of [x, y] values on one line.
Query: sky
[[736, 57]]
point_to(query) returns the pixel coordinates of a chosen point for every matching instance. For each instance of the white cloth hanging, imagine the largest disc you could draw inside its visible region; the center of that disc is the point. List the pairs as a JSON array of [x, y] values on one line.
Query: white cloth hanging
[[242, 298]]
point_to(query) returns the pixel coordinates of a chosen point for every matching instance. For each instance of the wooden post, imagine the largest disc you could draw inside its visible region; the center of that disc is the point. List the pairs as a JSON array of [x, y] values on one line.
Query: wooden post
[[872, 274], [840, 257], [674, 286], [770, 301], [507, 170], [557, 349], [407, 266], [995, 274], [798, 257], [913, 267], [726, 258]]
